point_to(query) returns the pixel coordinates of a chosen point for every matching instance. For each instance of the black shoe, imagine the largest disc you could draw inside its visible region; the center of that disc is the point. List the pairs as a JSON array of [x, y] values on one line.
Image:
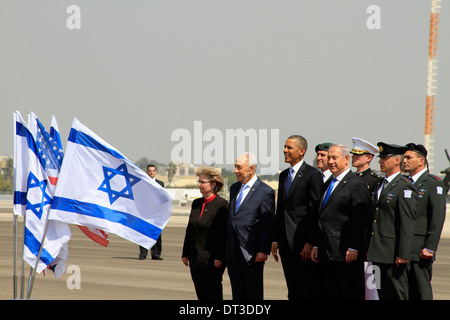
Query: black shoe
[[141, 258], [157, 258]]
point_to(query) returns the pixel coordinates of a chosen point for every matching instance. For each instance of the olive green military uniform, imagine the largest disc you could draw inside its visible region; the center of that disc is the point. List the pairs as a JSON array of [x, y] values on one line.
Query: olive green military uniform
[[392, 235], [430, 216]]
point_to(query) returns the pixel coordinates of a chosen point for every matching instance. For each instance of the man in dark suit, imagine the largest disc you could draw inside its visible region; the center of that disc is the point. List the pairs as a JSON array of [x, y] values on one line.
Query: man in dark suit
[[299, 190], [343, 220], [430, 216], [249, 230], [157, 248], [394, 201]]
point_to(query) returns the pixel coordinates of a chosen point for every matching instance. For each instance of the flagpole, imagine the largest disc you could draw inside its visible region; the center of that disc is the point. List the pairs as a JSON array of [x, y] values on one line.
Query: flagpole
[[22, 274], [14, 214], [33, 271]]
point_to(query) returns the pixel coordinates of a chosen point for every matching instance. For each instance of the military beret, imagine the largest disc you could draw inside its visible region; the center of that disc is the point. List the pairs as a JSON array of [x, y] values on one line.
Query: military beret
[[387, 150], [420, 149], [323, 146]]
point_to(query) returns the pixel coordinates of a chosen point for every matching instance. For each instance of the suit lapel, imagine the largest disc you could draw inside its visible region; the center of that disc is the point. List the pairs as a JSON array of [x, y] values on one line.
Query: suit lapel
[[422, 179], [389, 187], [297, 178], [250, 193], [341, 185]]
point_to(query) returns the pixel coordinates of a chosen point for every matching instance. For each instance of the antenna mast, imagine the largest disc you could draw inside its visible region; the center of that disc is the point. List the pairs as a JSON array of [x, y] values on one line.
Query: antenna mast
[[431, 80]]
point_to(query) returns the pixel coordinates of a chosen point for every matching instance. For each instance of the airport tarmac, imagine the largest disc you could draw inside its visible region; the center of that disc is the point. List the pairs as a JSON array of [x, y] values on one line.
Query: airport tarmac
[[115, 273]]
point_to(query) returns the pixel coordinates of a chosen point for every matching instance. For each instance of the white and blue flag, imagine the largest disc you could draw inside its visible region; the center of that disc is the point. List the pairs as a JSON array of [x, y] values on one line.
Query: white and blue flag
[[36, 157], [21, 164], [97, 235], [98, 187]]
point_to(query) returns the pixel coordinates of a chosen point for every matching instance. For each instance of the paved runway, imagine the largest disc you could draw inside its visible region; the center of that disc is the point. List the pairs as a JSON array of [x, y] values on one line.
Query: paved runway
[[116, 273]]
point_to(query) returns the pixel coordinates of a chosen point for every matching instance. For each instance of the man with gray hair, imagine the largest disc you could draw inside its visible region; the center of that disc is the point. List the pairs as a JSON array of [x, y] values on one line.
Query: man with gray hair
[[249, 230], [343, 220]]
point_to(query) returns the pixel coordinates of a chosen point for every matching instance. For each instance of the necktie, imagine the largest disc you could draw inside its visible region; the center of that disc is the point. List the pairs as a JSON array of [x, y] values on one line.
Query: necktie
[[383, 185], [241, 195], [288, 181], [330, 188]]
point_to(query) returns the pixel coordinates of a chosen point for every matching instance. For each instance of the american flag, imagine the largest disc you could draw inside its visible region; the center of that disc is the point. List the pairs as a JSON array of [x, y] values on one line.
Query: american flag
[[50, 152]]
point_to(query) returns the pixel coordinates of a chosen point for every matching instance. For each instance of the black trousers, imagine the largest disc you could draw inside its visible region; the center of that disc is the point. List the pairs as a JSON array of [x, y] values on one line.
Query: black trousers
[[155, 250], [246, 277], [208, 282], [304, 279], [344, 281]]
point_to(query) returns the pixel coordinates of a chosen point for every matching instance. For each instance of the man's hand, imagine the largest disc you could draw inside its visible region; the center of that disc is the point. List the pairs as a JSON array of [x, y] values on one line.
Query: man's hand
[[314, 254], [351, 255], [274, 251], [425, 254], [306, 252], [260, 257], [217, 263], [399, 261]]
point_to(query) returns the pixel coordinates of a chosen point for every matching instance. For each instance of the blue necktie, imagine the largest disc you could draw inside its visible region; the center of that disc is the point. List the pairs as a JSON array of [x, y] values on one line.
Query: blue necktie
[[241, 195], [330, 188], [288, 181]]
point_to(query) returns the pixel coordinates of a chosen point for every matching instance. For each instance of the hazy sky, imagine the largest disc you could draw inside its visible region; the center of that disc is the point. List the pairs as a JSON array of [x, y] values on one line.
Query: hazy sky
[[137, 71]]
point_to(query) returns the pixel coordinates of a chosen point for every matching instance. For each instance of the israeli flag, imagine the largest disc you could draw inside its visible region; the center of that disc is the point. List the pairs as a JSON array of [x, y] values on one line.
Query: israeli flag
[[38, 197], [97, 235], [98, 187], [21, 164]]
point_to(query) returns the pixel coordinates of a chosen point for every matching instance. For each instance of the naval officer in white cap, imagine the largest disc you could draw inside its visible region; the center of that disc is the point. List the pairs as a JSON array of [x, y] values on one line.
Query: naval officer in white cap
[[362, 154]]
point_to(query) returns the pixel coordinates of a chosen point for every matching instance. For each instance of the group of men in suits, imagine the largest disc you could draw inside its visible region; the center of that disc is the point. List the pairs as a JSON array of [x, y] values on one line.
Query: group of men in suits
[[326, 226]]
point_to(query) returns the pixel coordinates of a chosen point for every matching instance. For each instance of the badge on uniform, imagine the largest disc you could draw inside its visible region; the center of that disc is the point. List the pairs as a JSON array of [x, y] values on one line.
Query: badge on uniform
[[439, 190], [408, 193]]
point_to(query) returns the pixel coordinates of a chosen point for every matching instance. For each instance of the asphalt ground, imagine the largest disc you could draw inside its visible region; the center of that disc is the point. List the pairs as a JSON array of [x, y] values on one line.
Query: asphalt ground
[[115, 273]]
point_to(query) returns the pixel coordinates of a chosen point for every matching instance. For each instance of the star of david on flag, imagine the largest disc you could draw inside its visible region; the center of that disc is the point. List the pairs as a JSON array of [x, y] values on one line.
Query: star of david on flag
[[107, 185], [98, 187], [44, 241], [40, 188], [96, 235]]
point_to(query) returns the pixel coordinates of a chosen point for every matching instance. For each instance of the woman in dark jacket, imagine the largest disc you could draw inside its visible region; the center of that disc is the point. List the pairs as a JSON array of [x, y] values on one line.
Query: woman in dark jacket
[[204, 242]]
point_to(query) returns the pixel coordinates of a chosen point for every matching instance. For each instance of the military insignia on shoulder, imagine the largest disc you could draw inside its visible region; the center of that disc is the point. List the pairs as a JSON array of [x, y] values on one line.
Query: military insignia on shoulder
[[435, 177], [375, 175]]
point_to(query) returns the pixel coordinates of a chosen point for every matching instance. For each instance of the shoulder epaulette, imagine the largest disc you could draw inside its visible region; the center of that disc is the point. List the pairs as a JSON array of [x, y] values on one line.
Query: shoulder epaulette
[[434, 177]]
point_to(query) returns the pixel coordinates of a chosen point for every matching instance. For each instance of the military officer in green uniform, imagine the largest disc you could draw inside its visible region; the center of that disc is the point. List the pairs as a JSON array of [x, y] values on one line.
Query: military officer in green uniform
[[394, 201], [362, 154], [430, 216]]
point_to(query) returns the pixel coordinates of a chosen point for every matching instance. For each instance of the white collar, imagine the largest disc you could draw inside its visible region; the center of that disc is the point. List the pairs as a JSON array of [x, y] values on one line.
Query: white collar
[[342, 175], [417, 175], [251, 182], [392, 176], [297, 166]]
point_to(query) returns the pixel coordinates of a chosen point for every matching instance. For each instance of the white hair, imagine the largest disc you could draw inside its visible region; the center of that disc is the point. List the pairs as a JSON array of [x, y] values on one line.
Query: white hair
[[344, 149], [250, 158]]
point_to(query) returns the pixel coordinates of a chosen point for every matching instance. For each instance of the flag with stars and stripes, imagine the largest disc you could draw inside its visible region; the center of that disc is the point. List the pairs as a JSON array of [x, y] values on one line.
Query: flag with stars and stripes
[[54, 235]]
